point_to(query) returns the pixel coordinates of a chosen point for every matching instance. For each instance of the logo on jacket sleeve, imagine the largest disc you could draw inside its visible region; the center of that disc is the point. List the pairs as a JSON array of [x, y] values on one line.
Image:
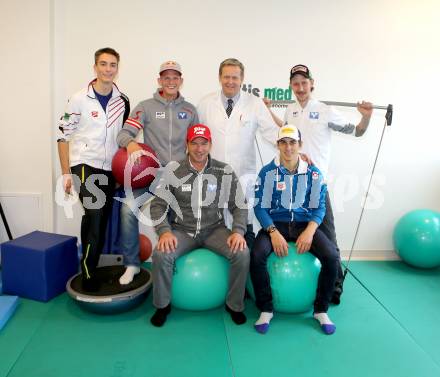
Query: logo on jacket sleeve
[[138, 114], [160, 114], [315, 175], [94, 114], [314, 115], [182, 115]]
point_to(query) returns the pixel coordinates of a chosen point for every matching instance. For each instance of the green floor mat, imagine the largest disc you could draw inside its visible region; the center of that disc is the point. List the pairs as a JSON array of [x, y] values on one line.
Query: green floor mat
[[72, 342], [16, 334], [398, 339], [367, 342], [411, 295]]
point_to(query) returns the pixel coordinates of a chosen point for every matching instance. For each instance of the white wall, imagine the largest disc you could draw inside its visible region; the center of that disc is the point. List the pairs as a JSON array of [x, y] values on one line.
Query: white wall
[[25, 116], [384, 51]]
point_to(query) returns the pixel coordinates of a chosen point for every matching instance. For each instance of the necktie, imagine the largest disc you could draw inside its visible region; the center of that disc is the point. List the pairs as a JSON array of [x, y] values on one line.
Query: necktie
[[229, 108]]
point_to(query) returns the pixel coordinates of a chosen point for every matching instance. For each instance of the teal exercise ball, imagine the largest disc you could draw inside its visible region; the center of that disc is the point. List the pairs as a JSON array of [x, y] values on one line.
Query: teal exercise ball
[[417, 238], [293, 279], [200, 280]]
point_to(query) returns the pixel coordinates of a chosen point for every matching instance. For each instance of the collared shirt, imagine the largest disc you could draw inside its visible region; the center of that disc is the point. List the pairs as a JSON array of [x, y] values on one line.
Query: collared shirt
[[234, 99], [233, 138], [316, 122]]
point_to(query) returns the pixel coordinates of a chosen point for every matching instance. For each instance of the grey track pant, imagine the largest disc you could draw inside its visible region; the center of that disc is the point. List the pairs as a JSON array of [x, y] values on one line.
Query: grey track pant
[[214, 240]]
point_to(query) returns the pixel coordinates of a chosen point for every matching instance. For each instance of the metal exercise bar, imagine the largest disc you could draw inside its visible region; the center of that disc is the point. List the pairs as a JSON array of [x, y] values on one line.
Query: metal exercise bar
[[388, 115]]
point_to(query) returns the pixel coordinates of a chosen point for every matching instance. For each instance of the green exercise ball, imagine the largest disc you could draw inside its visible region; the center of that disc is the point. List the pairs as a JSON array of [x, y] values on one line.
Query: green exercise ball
[[417, 238], [293, 279], [200, 281]]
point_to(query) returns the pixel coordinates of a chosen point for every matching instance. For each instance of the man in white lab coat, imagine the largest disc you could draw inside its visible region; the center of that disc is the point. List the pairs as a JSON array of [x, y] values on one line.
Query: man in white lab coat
[[234, 118]]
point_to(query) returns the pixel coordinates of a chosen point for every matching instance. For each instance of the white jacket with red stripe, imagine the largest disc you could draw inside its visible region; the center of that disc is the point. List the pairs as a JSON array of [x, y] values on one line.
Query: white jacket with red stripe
[[90, 131]]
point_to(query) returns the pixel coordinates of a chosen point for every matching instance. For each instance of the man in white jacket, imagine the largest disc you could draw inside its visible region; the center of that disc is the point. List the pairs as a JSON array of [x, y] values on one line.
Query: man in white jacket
[[234, 118], [317, 122], [86, 139]]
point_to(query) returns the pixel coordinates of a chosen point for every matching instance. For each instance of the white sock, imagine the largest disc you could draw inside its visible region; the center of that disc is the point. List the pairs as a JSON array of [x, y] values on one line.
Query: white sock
[[128, 275], [265, 317], [323, 318]]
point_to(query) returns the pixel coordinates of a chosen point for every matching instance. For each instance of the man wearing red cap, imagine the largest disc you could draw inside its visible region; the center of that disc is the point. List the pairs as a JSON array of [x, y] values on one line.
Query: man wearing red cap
[[183, 231], [164, 120]]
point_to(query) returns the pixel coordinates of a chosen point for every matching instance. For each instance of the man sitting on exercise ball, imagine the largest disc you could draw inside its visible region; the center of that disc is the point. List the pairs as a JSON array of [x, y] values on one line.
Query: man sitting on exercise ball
[[290, 206], [195, 191]]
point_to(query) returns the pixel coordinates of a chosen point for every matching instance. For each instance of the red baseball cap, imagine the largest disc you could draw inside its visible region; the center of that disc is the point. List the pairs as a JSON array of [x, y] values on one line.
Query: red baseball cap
[[198, 130]]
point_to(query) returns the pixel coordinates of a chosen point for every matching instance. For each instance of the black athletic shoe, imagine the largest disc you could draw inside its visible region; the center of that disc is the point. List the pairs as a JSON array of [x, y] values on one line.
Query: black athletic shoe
[[160, 316], [238, 317]]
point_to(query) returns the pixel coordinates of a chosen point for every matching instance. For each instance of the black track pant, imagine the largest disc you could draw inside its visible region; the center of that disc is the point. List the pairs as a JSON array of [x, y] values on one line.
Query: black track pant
[[96, 189], [322, 248], [328, 227]]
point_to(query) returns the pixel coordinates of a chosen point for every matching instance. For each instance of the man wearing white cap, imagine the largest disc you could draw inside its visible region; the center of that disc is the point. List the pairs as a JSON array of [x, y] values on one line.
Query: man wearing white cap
[[164, 120], [235, 117], [290, 206]]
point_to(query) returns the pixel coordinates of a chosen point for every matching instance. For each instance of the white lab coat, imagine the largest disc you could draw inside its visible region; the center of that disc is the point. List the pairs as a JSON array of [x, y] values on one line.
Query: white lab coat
[[233, 139]]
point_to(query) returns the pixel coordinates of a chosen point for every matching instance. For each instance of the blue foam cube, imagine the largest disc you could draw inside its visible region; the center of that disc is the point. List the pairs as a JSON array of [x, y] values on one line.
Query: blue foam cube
[[38, 265], [8, 304]]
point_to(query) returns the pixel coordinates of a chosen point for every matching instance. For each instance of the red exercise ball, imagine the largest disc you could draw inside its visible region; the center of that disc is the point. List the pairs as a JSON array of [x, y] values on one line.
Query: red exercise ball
[[145, 247], [142, 172]]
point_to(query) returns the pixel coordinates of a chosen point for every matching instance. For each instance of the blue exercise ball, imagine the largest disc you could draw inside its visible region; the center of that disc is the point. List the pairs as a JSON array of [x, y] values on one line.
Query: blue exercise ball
[[200, 281], [293, 280], [417, 238]]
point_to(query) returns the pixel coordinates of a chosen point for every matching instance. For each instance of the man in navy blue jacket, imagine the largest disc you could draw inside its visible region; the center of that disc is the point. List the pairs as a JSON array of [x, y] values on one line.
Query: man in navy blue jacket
[[290, 206]]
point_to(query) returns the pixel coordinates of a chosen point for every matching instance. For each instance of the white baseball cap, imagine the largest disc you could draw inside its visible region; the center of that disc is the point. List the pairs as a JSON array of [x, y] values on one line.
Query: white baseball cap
[[290, 131], [170, 65]]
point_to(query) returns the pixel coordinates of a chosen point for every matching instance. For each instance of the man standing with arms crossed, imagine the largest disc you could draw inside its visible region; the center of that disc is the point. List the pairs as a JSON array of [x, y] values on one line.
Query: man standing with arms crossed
[[234, 118]]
